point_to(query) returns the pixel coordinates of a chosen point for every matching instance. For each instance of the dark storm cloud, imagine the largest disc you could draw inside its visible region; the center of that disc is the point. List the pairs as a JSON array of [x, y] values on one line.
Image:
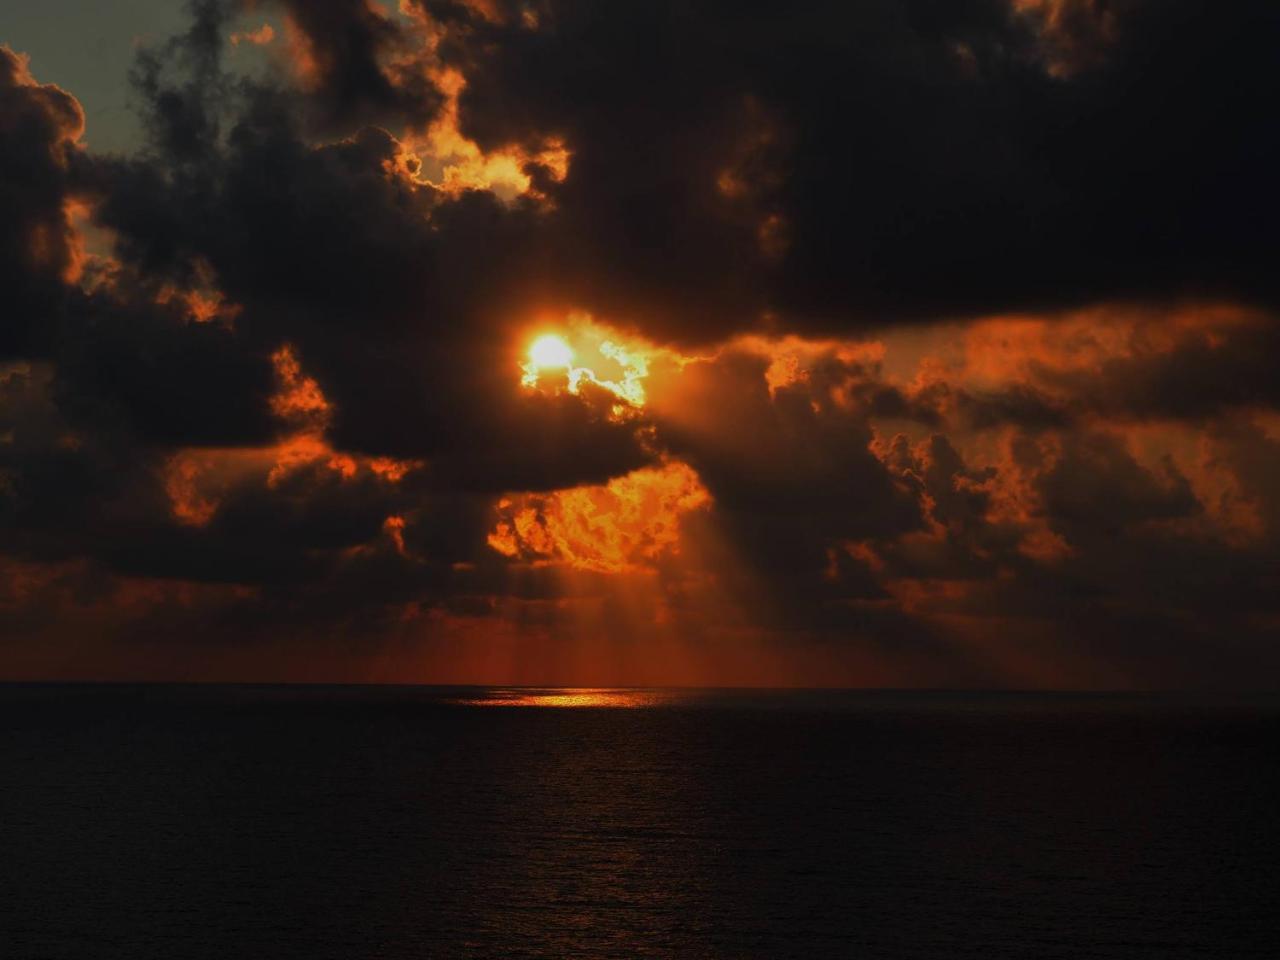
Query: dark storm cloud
[[907, 158], [354, 65], [1203, 373], [1136, 576], [181, 117], [1126, 363], [360, 65], [1020, 405], [1097, 490], [298, 540], [163, 379], [396, 296], [64, 494], [393, 294], [806, 460], [791, 475], [732, 168], [1070, 539], [39, 126]]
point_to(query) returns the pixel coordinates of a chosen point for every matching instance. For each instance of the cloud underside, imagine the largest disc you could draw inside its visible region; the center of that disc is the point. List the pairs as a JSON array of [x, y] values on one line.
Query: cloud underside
[[931, 344]]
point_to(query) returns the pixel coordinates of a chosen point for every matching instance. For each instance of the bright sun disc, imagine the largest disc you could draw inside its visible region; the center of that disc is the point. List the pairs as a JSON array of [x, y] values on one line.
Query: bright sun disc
[[550, 352]]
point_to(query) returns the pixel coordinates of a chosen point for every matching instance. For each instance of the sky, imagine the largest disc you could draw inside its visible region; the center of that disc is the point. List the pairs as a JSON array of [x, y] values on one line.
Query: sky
[[889, 343]]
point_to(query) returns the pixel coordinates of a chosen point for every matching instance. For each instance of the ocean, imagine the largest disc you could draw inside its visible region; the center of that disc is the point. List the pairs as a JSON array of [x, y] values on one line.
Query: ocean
[[318, 822]]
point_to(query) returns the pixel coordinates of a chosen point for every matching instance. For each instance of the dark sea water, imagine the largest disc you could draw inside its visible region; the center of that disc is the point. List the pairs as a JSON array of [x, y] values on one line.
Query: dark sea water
[[355, 822]]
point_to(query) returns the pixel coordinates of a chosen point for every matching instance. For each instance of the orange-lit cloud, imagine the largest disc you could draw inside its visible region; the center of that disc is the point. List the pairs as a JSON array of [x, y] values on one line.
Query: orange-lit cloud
[[200, 297], [260, 37], [299, 399], [791, 357], [197, 480], [1074, 34], [47, 123], [190, 504], [999, 349], [63, 107], [393, 526], [627, 524], [580, 350], [301, 403], [453, 163], [302, 56]]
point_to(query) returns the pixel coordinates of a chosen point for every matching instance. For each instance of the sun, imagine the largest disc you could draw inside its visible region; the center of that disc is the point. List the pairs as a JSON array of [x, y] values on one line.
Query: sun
[[549, 352], [599, 359]]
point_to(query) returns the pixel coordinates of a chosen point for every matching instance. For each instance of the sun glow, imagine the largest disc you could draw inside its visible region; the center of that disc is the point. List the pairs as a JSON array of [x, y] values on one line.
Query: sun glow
[[591, 353], [549, 352]]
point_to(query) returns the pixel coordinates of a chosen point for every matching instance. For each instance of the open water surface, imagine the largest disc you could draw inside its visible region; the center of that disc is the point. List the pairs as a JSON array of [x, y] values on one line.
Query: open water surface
[[407, 822]]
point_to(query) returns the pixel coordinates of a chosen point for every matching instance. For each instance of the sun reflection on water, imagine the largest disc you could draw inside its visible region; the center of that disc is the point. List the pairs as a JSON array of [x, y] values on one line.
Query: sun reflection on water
[[567, 697]]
